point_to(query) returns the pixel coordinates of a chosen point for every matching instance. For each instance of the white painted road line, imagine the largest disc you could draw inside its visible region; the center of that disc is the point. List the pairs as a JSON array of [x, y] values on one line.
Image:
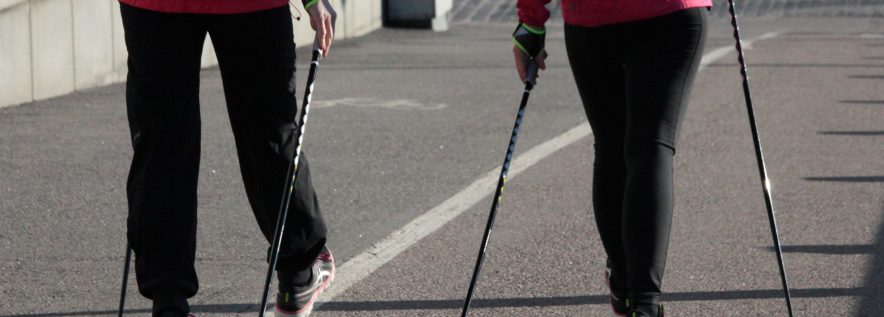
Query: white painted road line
[[362, 265], [720, 52]]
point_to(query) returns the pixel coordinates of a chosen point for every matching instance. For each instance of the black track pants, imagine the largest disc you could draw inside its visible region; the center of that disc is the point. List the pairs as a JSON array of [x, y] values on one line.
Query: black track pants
[[635, 79], [256, 55]]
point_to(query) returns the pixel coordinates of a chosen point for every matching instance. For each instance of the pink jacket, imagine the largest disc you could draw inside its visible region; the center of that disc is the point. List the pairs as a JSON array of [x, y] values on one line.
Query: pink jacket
[[206, 6], [602, 12]]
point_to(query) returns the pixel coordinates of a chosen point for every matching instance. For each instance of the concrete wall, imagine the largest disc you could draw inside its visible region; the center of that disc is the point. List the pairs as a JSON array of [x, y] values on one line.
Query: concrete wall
[[53, 47], [434, 14]]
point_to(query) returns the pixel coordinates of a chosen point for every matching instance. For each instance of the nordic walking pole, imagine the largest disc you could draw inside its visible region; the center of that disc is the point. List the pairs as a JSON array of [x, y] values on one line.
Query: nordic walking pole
[[762, 170], [125, 279], [291, 175], [498, 194]]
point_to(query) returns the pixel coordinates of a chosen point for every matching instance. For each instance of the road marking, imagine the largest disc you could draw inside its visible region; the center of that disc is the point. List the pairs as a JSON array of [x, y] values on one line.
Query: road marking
[[396, 104], [362, 265], [720, 52]]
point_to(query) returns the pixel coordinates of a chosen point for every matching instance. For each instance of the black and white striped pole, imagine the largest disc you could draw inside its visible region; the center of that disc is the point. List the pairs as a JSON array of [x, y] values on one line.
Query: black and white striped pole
[[125, 278], [762, 169], [292, 175], [501, 182]]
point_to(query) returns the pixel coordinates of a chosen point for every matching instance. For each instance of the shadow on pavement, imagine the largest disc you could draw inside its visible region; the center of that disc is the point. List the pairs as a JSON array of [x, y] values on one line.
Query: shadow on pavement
[[401, 66], [863, 102], [848, 179], [796, 65], [828, 249], [866, 76], [585, 300], [829, 39], [210, 308], [856, 133], [872, 303], [494, 303]]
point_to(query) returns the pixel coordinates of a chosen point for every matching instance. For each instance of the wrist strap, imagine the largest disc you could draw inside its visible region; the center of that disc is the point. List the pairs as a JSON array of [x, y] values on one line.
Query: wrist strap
[[309, 4], [534, 30]]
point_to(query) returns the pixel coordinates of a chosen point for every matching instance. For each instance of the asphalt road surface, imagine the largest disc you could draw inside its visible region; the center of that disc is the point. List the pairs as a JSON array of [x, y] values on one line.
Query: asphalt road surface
[[408, 128]]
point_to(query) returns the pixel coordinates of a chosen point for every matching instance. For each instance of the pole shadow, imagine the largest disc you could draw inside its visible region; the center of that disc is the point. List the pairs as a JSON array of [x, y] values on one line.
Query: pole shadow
[[853, 133], [847, 179], [866, 76], [863, 102], [827, 249], [582, 300], [368, 306], [208, 308], [798, 65]]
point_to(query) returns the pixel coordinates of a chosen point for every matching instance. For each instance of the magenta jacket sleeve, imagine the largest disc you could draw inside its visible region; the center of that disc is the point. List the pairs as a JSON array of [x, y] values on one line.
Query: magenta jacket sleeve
[[533, 12]]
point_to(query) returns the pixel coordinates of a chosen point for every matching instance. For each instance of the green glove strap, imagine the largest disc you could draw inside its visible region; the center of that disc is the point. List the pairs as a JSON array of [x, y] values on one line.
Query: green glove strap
[[529, 40]]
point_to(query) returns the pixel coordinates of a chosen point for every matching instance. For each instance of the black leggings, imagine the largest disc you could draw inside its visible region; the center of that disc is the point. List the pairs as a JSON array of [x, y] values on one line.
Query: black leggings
[[634, 79]]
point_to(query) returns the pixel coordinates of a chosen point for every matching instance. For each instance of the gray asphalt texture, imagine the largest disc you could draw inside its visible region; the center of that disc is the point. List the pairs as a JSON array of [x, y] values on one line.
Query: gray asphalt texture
[[406, 119]]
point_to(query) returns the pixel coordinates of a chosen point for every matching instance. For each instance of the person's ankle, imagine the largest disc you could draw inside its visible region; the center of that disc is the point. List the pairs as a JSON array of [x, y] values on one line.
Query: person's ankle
[[170, 304]]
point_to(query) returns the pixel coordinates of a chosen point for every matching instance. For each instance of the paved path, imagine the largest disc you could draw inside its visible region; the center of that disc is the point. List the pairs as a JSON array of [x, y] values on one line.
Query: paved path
[[407, 120]]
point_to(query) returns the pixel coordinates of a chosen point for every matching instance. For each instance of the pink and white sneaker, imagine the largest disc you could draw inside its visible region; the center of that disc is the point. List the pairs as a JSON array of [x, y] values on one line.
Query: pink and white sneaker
[[298, 301]]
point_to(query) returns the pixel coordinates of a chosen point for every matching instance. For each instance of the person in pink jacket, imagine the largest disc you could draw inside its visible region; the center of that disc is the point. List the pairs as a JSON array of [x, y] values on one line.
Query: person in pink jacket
[[634, 62], [253, 40]]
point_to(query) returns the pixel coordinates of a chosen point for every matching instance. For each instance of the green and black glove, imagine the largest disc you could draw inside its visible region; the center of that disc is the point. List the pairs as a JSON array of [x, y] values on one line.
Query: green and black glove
[[529, 40], [309, 3]]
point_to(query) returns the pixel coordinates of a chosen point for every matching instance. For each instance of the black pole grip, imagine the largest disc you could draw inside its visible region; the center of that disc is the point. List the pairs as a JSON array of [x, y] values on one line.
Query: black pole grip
[[317, 54], [531, 73], [531, 70]]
